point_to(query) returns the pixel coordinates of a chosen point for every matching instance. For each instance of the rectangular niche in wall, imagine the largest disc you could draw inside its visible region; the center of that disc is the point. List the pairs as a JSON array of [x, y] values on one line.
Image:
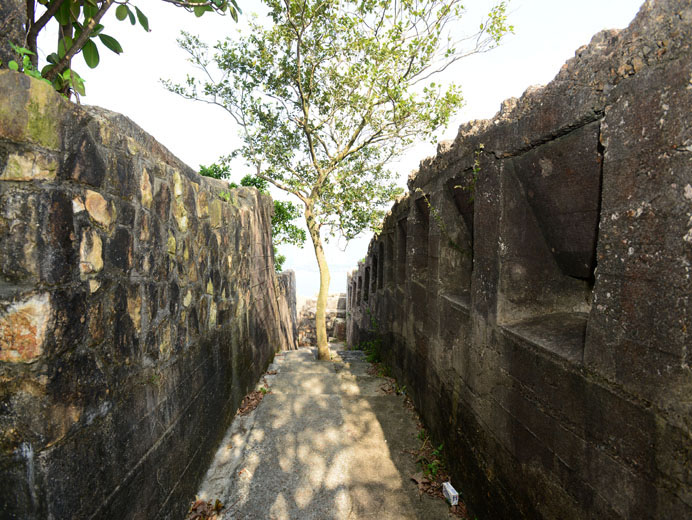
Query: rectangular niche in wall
[[402, 232], [375, 271], [455, 205], [366, 284], [389, 262], [380, 265], [551, 206], [359, 295], [419, 247]]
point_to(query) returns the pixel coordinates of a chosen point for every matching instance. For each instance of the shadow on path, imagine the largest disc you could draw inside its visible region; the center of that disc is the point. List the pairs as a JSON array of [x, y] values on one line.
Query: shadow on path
[[326, 443]]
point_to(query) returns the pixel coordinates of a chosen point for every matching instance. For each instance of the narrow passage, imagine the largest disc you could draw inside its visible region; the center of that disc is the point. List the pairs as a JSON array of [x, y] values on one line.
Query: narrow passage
[[326, 443]]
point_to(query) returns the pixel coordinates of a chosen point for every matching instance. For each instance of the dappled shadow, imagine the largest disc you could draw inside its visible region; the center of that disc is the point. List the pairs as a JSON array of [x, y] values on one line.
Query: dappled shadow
[[327, 443]]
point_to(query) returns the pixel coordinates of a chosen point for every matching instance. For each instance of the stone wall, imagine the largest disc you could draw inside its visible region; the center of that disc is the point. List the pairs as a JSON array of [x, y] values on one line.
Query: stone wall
[[287, 288], [533, 287], [136, 309], [335, 318]]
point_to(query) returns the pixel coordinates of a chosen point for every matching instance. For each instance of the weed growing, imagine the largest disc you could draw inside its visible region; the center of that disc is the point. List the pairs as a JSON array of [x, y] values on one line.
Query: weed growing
[[430, 458]]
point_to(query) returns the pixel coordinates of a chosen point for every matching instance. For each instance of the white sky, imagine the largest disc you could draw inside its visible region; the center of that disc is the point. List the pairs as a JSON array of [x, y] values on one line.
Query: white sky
[[547, 34]]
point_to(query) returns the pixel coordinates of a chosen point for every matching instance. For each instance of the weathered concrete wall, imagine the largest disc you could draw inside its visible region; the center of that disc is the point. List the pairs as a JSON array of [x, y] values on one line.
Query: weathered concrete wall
[[287, 289], [136, 309], [538, 308], [335, 317]]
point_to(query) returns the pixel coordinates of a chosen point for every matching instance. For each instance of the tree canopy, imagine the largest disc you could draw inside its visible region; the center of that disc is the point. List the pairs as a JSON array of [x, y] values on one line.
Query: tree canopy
[[80, 30], [329, 92]]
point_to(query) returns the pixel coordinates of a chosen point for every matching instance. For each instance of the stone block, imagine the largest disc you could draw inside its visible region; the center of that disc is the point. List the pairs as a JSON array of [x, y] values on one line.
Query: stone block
[[19, 222], [29, 166], [57, 242], [32, 111], [87, 160], [23, 328]]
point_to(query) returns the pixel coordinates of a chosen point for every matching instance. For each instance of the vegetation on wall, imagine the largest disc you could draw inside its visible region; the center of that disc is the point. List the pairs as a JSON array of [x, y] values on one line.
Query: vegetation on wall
[[329, 93]]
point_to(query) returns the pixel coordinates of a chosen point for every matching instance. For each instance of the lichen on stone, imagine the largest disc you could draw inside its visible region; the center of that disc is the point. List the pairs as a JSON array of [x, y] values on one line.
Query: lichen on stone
[[23, 328]]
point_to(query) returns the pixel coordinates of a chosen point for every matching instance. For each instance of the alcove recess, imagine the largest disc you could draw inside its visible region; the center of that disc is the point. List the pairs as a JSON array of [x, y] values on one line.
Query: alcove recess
[[454, 218], [547, 247], [390, 261], [359, 290], [401, 233], [379, 267], [419, 229], [366, 284]]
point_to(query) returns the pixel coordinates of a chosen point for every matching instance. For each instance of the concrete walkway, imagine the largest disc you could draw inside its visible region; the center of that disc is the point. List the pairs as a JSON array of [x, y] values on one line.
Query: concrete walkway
[[326, 443]]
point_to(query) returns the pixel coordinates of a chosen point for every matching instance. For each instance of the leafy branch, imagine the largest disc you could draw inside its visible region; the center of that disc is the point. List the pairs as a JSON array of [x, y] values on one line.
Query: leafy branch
[[79, 30]]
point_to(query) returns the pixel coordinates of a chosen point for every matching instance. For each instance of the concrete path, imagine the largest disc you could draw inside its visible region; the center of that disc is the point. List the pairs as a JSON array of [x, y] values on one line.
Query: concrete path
[[326, 443]]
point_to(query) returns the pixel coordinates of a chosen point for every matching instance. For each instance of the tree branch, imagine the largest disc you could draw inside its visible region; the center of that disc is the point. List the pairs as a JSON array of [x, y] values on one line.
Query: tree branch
[[35, 27], [79, 42], [284, 187]]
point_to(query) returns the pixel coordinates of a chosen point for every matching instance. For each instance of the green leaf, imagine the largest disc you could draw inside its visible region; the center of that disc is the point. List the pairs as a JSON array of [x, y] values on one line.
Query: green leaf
[[111, 43], [201, 9], [75, 81], [79, 87], [33, 73], [21, 50], [90, 11], [75, 8], [64, 45], [121, 12], [13, 65], [143, 20], [77, 30], [62, 15], [131, 15], [91, 54]]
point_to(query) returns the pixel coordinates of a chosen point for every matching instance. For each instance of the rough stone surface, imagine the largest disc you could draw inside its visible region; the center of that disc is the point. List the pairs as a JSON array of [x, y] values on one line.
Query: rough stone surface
[[335, 317], [12, 28], [287, 287], [131, 322], [539, 311], [325, 443]]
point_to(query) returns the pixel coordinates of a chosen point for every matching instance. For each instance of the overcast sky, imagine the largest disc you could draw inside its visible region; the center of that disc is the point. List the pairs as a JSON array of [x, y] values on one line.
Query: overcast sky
[[547, 34]]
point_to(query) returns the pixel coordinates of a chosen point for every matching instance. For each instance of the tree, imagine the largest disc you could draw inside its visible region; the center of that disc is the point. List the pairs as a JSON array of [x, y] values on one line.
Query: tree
[[284, 231], [330, 93], [79, 30]]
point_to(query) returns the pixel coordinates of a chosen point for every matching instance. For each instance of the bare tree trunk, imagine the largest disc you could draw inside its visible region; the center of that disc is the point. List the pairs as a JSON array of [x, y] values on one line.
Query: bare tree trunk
[[323, 352]]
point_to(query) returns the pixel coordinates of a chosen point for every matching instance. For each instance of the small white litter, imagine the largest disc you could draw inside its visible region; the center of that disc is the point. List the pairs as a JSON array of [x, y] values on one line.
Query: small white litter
[[450, 493]]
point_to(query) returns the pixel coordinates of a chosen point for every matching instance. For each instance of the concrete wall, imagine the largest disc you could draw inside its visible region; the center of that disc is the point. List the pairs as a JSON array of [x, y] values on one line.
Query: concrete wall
[[533, 288], [335, 316], [136, 309], [287, 288]]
